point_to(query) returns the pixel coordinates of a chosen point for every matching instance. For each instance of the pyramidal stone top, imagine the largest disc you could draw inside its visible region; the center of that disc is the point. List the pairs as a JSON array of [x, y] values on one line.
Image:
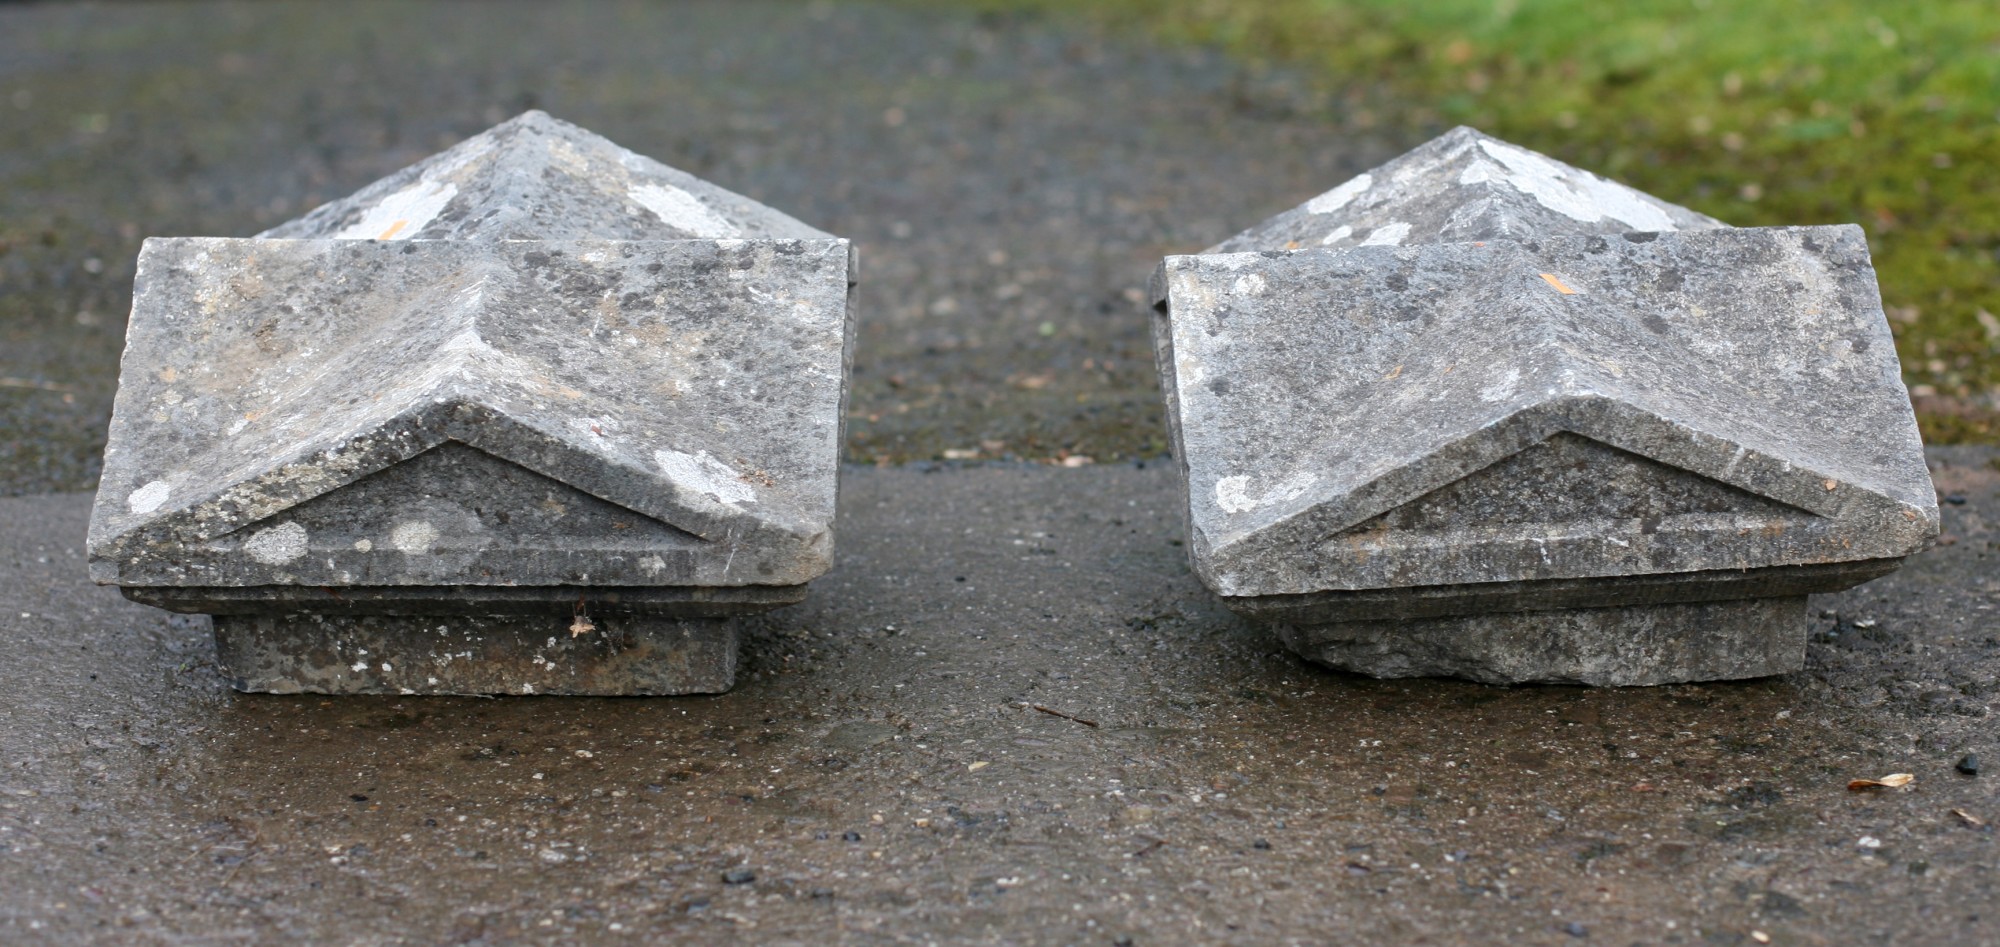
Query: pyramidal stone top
[[1465, 186], [1433, 374], [1317, 391], [536, 359], [1479, 413], [539, 178]]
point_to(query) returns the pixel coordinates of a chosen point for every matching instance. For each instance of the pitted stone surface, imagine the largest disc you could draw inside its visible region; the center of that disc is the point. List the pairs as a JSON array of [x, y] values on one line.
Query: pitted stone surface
[[1623, 646], [1319, 389], [694, 384], [534, 362], [1461, 187], [539, 178], [1548, 414]]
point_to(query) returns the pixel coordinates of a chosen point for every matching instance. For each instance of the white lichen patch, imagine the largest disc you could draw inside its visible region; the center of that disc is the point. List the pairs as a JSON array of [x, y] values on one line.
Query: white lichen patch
[[1234, 496], [364, 545], [1336, 235], [701, 473], [148, 498], [1387, 235], [1340, 196], [652, 565], [1249, 284], [400, 215], [280, 544], [1190, 368], [1191, 334], [465, 354], [1231, 261], [414, 538], [1481, 171], [1503, 388], [1578, 195], [564, 155], [683, 211]]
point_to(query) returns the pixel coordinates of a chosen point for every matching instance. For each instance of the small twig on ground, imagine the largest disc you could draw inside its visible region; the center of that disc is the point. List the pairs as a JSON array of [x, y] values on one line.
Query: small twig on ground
[[1057, 713], [37, 385], [1152, 845]]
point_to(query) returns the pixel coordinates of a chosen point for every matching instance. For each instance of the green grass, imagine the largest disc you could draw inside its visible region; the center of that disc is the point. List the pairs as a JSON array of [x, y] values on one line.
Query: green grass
[[1759, 112]]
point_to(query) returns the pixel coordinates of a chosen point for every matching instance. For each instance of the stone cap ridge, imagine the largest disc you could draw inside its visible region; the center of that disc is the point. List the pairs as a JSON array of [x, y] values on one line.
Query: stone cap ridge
[[1315, 390], [1464, 186], [698, 382], [535, 177]]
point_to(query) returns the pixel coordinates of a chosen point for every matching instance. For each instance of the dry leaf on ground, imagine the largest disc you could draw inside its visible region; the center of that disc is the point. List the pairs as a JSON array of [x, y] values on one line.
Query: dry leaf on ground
[[1891, 781]]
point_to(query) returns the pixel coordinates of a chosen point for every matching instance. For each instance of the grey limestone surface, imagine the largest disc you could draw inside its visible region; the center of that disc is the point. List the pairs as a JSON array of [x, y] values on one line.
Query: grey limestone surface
[[1460, 187], [539, 178], [1625, 645], [1492, 404], [533, 361]]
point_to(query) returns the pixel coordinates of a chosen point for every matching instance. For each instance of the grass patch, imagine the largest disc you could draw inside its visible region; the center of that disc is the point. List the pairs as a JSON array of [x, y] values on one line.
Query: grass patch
[[1759, 112]]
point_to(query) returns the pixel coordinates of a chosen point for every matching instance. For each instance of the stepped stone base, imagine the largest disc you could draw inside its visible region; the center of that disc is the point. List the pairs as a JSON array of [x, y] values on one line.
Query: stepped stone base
[[1622, 646], [502, 654]]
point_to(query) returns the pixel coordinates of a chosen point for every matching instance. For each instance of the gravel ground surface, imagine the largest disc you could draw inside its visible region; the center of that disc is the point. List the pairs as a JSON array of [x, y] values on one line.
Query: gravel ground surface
[[882, 773]]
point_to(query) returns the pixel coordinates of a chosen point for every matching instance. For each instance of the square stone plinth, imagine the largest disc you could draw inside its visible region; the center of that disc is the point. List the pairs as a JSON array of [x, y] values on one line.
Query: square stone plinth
[[468, 654], [1623, 646]]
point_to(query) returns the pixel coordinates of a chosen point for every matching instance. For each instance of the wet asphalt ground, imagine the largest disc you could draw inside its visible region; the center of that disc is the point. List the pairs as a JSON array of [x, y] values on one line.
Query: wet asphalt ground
[[882, 772]]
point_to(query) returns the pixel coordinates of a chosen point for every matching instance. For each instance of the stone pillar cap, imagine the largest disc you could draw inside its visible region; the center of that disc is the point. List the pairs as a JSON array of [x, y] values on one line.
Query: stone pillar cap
[[1475, 365], [534, 359]]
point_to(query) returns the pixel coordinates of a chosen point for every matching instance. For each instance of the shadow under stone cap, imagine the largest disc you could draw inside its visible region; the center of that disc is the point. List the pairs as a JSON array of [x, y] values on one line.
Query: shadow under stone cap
[[533, 360], [1675, 402]]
